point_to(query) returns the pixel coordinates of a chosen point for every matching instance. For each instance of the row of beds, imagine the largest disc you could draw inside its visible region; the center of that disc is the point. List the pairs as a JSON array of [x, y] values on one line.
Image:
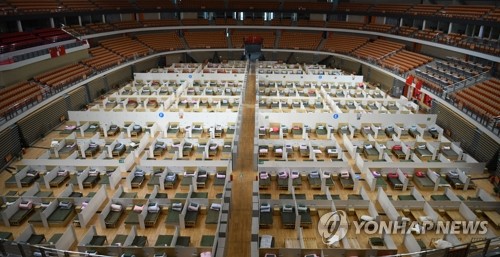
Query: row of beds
[[314, 179], [304, 151], [161, 147], [422, 180], [27, 208], [174, 130], [61, 216], [296, 131], [288, 216], [117, 211]]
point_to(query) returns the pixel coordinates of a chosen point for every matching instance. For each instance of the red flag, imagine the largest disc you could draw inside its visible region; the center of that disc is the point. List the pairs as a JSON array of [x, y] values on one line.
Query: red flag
[[53, 52]]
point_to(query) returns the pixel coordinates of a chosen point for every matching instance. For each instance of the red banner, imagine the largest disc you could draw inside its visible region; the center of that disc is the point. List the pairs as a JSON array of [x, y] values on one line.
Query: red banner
[[416, 92], [409, 80], [57, 51], [427, 100]]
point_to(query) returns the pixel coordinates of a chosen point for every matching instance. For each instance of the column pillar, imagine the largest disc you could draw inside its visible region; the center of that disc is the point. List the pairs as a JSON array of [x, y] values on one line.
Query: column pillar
[[52, 25], [481, 31], [450, 27], [19, 26], [79, 20], [423, 25]]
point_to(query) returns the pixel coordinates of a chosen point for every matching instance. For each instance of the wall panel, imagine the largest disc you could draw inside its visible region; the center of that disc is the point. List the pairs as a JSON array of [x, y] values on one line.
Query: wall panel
[[39, 123], [11, 145], [119, 76], [77, 98], [95, 87]]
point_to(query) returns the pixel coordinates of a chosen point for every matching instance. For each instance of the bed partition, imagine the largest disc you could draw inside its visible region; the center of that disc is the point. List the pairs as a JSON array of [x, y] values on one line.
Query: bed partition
[[67, 239], [80, 178], [114, 178], [10, 211], [35, 188], [67, 191], [86, 214], [411, 244], [20, 175], [49, 176], [387, 206], [25, 235]]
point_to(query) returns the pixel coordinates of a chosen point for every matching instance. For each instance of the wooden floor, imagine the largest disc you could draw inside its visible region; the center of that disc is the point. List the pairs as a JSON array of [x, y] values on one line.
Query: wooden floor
[[239, 235], [240, 222]]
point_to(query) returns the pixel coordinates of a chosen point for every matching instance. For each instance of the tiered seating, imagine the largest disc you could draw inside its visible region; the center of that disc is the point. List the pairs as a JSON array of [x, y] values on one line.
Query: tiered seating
[[18, 40], [21, 93], [64, 75], [355, 7], [125, 47], [458, 70], [254, 5], [406, 31], [384, 28], [446, 73], [424, 9], [307, 6], [102, 59], [465, 12], [345, 25], [254, 22], [451, 38], [52, 34], [200, 5], [160, 23], [300, 40], [160, 42], [113, 4], [79, 5], [228, 21], [194, 22], [99, 27], [268, 36], [453, 61], [429, 82], [127, 25], [206, 39], [281, 22], [428, 34], [5, 8], [405, 61], [344, 44], [483, 45], [154, 4], [390, 8], [310, 23], [34, 6], [77, 30], [493, 15], [481, 98], [377, 49]]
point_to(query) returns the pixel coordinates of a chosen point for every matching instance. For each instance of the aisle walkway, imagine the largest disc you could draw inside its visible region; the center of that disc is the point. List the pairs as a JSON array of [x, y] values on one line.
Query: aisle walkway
[[240, 222]]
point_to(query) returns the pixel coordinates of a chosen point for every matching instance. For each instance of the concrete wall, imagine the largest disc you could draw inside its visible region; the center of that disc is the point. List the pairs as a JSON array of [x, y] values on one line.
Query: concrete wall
[[439, 52]]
